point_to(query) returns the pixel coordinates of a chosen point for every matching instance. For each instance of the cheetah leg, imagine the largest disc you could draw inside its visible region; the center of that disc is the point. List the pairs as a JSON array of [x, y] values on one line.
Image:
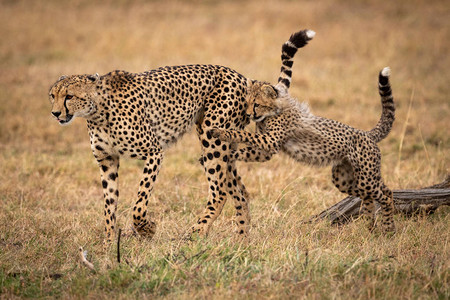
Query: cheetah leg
[[386, 202], [368, 210], [109, 167], [238, 191], [215, 156], [368, 207], [247, 154], [251, 154], [240, 196], [343, 176], [360, 187], [266, 142], [141, 222], [384, 197], [368, 182]]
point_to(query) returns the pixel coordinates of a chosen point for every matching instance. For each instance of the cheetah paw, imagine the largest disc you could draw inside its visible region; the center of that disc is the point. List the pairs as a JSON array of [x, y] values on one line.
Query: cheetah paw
[[217, 133]]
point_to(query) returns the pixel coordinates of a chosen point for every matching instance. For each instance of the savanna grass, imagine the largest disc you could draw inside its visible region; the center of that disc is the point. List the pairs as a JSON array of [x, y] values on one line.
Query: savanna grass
[[50, 194]]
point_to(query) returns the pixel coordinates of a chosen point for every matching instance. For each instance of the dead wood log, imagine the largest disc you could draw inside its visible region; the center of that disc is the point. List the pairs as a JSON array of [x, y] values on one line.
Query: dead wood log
[[408, 202]]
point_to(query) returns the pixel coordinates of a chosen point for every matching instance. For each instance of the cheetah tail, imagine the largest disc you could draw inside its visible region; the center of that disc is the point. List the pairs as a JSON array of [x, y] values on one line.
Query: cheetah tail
[[288, 50], [384, 125]]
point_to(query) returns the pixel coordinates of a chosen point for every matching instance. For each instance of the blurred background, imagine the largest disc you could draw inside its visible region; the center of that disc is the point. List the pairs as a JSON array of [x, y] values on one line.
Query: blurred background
[[49, 180]]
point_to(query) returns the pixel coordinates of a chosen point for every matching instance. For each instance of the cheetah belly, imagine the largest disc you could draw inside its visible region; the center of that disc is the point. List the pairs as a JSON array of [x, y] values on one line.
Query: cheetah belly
[[310, 151], [132, 144], [170, 127]]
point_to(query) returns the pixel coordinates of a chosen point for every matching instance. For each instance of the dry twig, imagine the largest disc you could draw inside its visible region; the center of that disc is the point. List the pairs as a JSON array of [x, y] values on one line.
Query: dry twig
[[84, 260], [118, 246]]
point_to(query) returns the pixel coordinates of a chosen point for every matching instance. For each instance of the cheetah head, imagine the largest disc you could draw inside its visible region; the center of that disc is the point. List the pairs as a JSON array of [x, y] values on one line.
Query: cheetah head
[[74, 96], [262, 100]]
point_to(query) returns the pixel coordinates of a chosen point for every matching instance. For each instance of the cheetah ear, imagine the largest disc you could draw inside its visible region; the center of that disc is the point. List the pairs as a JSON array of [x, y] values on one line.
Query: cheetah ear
[[250, 82], [62, 77], [94, 77], [269, 91]]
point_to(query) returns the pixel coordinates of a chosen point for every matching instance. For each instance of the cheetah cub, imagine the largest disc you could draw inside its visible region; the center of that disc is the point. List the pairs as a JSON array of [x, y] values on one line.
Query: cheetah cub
[[286, 124]]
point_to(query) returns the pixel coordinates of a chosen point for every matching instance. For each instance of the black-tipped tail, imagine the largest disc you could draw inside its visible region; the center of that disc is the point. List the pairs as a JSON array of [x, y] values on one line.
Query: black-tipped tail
[[384, 125], [288, 50]]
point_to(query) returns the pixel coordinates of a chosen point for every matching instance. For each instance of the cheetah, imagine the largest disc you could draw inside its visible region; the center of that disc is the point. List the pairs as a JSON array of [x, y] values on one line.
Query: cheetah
[[140, 115], [286, 124]]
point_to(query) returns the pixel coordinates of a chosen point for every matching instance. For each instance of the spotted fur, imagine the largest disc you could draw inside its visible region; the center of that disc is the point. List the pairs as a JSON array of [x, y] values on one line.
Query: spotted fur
[[140, 115], [288, 125]]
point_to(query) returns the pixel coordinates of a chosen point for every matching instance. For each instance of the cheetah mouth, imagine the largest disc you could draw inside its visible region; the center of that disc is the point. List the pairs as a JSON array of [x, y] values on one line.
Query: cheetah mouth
[[255, 118], [258, 118], [66, 121]]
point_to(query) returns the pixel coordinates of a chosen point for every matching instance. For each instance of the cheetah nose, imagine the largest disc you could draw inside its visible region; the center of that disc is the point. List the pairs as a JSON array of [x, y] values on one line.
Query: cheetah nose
[[56, 113]]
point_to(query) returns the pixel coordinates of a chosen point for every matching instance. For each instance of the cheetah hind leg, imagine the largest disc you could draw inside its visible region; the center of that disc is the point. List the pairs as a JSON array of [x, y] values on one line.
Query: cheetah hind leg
[[343, 177], [237, 189], [217, 197], [240, 196], [387, 209], [368, 212], [348, 181]]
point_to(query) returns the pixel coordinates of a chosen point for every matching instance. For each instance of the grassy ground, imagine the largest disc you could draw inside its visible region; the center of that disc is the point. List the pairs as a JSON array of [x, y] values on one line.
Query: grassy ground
[[50, 193]]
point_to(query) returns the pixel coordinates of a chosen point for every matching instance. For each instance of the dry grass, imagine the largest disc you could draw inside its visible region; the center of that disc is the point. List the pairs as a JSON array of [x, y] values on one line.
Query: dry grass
[[51, 199]]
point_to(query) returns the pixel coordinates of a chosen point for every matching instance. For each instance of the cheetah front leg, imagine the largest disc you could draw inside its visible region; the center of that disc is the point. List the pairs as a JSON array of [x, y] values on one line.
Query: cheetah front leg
[[251, 154], [267, 142], [141, 222], [247, 154], [109, 167], [343, 176]]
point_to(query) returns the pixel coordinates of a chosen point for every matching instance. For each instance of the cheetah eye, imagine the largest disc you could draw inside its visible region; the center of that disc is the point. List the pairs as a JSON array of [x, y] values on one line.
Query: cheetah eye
[[52, 96], [256, 105], [68, 97]]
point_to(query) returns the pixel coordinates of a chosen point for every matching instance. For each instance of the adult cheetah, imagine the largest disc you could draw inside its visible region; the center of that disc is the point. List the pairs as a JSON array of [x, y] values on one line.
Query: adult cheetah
[[139, 115], [287, 125]]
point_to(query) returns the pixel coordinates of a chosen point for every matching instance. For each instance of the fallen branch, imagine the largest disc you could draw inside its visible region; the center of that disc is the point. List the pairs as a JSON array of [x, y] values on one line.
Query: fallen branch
[[408, 202], [84, 260]]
